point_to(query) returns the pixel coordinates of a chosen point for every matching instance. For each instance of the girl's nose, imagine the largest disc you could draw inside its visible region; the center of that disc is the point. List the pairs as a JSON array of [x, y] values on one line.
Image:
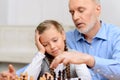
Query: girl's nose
[[52, 45]]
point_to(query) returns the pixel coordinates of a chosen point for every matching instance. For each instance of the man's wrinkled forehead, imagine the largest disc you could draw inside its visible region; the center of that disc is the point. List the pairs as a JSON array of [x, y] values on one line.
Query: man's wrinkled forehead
[[97, 1]]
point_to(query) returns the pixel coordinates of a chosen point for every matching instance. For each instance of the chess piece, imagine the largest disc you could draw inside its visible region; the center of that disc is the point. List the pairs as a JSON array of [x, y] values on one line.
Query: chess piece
[[46, 76], [63, 74], [42, 78], [54, 75], [49, 78], [79, 78], [31, 78]]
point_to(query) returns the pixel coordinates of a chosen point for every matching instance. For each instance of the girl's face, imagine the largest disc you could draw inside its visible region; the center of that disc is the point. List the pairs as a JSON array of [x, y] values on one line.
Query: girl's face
[[53, 41]]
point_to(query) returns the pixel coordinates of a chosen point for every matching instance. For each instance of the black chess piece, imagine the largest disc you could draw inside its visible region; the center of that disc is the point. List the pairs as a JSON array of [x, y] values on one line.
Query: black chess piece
[[63, 74], [59, 75], [54, 75], [49, 78], [79, 78], [46, 76]]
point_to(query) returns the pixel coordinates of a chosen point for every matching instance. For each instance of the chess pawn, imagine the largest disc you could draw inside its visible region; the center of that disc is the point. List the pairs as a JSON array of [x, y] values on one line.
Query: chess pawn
[[79, 78], [8, 77], [31, 78], [26, 76], [63, 75], [42, 78], [46, 76], [59, 75], [17, 78], [54, 75], [50, 78], [21, 76]]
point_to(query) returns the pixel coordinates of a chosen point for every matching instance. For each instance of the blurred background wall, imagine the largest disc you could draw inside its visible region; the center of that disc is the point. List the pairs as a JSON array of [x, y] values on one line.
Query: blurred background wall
[[19, 18], [31, 12]]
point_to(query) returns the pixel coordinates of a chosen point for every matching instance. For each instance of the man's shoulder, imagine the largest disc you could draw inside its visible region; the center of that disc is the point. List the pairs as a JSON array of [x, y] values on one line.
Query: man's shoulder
[[112, 31], [111, 27], [70, 35], [71, 32]]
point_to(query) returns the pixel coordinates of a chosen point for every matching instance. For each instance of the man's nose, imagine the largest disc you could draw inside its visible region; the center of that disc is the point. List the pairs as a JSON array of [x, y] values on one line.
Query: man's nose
[[76, 16]]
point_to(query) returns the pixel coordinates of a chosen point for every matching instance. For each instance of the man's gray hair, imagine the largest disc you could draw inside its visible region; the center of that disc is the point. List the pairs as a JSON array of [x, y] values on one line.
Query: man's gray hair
[[97, 1]]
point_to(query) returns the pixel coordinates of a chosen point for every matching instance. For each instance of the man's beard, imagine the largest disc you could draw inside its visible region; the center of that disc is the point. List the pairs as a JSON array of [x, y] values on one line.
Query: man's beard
[[88, 27]]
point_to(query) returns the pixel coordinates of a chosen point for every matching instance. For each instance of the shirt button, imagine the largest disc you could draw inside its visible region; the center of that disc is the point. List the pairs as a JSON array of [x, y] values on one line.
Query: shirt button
[[90, 46], [98, 70], [111, 76], [105, 74]]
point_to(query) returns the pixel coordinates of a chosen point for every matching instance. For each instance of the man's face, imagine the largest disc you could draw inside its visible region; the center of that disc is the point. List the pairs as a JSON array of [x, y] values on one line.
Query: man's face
[[84, 13]]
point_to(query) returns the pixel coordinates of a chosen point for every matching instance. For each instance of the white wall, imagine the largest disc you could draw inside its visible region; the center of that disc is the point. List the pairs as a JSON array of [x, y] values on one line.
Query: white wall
[[3, 11], [111, 11], [31, 12]]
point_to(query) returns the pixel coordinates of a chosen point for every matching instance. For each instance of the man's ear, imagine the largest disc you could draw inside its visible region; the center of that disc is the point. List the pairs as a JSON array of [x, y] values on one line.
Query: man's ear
[[98, 9]]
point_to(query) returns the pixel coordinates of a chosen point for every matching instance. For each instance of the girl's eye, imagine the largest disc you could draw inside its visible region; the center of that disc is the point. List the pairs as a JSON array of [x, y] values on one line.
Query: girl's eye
[[55, 40], [44, 45]]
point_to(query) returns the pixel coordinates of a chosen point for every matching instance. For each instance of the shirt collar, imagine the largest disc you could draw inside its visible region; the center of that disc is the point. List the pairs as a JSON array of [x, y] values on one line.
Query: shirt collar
[[78, 35], [102, 32], [100, 35]]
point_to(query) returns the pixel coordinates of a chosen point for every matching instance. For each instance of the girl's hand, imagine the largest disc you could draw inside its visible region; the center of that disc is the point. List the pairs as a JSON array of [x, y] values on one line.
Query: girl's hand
[[37, 42]]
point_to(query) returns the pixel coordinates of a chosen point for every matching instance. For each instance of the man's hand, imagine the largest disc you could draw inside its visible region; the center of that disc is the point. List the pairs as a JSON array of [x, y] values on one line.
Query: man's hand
[[73, 58]]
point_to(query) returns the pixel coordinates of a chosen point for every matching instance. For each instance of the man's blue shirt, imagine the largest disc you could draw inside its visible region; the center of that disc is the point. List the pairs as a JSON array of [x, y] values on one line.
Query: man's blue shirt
[[105, 47]]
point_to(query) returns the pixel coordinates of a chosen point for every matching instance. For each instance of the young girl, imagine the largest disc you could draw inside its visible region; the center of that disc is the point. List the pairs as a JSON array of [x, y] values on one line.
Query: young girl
[[50, 41]]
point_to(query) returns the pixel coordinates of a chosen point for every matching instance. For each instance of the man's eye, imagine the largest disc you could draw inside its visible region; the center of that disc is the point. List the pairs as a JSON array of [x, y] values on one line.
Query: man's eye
[[71, 12], [81, 10]]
